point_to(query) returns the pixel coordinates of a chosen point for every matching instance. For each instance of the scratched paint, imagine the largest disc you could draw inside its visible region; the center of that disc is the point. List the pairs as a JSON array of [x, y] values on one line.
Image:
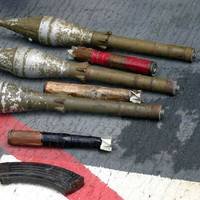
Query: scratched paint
[[18, 99], [33, 63], [13, 104], [6, 59], [57, 32]]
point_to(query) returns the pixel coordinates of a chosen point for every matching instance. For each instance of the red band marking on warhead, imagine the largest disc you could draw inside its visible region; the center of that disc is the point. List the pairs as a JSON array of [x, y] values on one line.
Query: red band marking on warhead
[[138, 65], [93, 189], [101, 58]]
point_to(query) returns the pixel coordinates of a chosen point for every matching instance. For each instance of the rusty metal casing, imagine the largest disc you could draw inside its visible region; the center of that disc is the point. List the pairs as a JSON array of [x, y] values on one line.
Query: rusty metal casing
[[93, 91], [129, 63], [32, 63], [25, 138], [17, 99], [57, 32]]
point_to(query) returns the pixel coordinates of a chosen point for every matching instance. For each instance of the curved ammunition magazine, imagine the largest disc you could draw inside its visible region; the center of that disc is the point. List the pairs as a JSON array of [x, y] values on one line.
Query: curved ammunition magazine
[[57, 178]]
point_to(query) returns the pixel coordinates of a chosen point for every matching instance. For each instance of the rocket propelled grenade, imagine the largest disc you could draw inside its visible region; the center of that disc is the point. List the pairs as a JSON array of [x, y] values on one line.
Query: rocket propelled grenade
[[130, 63], [32, 63], [17, 99], [93, 91], [60, 140], [57, 32]]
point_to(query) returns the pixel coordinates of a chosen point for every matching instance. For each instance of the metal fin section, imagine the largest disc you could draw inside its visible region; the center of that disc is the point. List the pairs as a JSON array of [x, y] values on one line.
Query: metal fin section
[[106, 144], [58, 178], [135, 96]]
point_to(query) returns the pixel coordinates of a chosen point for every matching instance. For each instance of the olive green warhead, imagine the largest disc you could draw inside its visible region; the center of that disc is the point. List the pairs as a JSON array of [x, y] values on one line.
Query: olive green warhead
[[57, 32], [32, 63], [17, 99]]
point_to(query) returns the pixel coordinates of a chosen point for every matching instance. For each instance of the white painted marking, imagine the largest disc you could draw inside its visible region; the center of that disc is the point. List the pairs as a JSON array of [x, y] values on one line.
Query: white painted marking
[[135, 186], [130, 186], [63, 33], [18, 63], [44, 29]]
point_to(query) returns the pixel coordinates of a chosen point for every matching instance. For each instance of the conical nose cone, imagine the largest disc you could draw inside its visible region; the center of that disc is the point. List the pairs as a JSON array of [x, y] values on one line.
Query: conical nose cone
[[28, 27]]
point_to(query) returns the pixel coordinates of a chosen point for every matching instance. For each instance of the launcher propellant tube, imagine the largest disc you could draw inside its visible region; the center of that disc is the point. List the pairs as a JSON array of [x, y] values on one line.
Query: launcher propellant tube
[[171, 51], [60, 140], [57, 32], [32, 63], [16, 99], [93, 91], [130, 63]]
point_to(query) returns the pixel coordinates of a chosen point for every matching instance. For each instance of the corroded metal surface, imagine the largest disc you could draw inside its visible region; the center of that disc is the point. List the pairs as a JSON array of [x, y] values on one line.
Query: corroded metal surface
[[17, 99], [49, 30], [169, 148], [129, 63], [24, 138], [57, 32], [93, 91], [6, 59], [33, 63]]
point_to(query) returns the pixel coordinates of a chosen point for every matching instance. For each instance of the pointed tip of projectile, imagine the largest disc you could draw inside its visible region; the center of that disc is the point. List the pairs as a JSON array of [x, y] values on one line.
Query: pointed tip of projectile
[[8, 23], [2, 22]]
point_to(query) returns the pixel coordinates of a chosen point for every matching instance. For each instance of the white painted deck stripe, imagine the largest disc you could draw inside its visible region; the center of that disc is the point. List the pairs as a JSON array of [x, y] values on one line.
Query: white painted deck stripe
[[135, 186], [130, 186]]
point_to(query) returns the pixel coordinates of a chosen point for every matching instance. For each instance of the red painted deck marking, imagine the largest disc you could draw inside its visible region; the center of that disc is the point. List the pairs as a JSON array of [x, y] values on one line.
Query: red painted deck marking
[[93, 189]]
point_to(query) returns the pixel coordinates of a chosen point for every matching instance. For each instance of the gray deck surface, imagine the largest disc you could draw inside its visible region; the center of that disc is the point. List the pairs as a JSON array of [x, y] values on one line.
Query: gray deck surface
[[171, 147]]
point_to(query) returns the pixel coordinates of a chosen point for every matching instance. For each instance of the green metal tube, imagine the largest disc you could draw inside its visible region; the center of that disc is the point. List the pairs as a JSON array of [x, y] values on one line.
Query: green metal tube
[[17, 99], [56, 32], [172, 51], [32, 63]]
